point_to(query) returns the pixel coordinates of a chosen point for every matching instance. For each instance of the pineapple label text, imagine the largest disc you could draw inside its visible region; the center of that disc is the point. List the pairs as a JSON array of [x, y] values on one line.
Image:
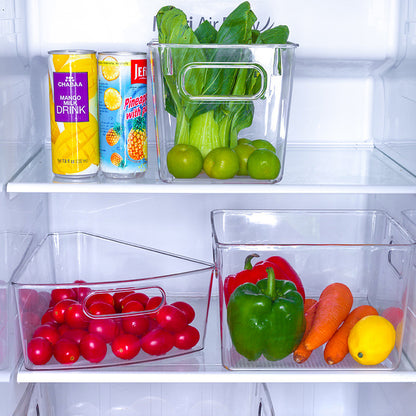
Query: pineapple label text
[[71, 96], [135, 107]]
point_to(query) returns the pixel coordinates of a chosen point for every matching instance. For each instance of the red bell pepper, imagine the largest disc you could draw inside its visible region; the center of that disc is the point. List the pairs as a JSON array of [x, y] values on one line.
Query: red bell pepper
[[252, 274]]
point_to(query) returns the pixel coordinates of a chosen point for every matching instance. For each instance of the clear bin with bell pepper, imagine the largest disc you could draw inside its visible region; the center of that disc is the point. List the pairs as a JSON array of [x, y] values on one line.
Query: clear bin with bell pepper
[[269, 261]]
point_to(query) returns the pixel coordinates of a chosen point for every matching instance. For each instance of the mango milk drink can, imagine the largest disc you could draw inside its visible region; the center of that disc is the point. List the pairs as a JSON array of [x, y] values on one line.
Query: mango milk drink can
[[73, 98], [122, 90]]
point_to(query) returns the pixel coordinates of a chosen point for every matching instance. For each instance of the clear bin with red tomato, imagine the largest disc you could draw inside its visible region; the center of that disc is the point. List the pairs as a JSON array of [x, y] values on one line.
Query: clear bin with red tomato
[[367, 250], [13, 247], [86, 300]]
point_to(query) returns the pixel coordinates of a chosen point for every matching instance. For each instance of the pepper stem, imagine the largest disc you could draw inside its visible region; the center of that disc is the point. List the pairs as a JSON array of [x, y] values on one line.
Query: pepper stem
[[247, 262], [271, 283]]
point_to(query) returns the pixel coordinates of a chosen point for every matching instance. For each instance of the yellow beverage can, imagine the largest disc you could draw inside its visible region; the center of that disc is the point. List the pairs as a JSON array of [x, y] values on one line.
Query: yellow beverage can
[[73, 97]]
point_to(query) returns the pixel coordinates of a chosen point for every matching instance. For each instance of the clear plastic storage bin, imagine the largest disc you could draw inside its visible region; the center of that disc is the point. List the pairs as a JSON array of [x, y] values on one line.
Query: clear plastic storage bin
[[103, 275], [366, 250], [216, 117], [13, 247], [151, 399]]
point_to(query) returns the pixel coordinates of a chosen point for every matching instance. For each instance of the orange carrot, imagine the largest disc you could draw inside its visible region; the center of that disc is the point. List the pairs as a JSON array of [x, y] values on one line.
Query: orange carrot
[[337, 347], [333, 307], [301, 354]]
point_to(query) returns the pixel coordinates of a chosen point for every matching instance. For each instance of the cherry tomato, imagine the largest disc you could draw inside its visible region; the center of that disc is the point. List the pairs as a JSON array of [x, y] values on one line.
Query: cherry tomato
[[153, 303], [101, 308], [171, 318], [126, 346], [74, 334], [107, 329], [136, 325], [64, 293], [48, 332], [63, 328], [47, 317], [118, 297], [81, 291], [75, 317], [187, 309], [39, 350], [137, 296], [157, 342], [187, 338], [100, 297], [66, 351], [93, 348], [28, 299], [132, 306], [60, 308]]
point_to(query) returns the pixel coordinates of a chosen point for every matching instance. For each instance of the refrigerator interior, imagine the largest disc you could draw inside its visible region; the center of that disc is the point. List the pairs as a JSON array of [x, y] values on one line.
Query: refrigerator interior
[[351, 145]]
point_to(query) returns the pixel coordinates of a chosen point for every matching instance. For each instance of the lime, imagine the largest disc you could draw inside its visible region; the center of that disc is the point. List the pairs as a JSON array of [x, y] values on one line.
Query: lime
[[221, 163], [263, 164], [243, 150], [184, 161], [242, 140], [371, 340], [263, 144]]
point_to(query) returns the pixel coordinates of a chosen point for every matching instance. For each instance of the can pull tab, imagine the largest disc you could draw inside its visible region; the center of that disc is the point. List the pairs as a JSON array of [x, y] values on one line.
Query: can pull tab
[[255, 73]]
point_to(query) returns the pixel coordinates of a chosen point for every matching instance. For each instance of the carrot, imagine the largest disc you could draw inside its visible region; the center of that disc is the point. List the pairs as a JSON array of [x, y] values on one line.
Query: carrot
[[301, 354], [333, 307], [337, 347]]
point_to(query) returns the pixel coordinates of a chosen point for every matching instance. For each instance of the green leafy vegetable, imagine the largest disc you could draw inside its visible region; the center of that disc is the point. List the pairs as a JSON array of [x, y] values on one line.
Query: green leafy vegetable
[[208, 124]]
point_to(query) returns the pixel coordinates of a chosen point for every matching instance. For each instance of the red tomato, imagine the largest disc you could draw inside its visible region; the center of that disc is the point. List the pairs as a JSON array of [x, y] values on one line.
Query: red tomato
[[187, 338], [60, 294], [66, 351], [187, 309], [93, 348], [136, 325], [118, 297], [48, 332], [101, 308], [100, 297], [28, 299], [60, 308], [126, 346], [153, 303], [157, 342], [39, 350], [74, 334], [171, 318], [81, 291], [75, 317], [47, 317], [63, 328], [137, 296], [107, 329], [132, 306]]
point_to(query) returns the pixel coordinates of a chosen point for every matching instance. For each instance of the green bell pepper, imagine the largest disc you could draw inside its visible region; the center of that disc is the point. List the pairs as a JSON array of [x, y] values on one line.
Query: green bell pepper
[[266, 318]]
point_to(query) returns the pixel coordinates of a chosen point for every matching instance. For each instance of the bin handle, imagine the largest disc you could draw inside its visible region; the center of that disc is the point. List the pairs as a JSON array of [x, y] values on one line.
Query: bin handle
[[124, 315], [221, 65]]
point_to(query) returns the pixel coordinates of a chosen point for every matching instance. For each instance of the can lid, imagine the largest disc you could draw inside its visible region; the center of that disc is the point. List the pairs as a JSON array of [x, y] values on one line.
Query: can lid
[[71, 52], [122, 53]]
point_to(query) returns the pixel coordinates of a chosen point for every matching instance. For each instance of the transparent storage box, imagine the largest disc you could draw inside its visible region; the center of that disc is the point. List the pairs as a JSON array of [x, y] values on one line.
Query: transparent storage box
[[254, 106], [13, 247], [409, 222], [366, 250], [95, 270], [240, 399]]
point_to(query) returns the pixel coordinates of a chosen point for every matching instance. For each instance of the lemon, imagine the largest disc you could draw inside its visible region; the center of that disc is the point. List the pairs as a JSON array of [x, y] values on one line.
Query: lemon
[[371, 340], [112, 99], [110, 68]]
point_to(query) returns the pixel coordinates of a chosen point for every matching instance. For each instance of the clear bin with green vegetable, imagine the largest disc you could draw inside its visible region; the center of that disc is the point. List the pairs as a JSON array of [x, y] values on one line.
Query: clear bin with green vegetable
[[222, 98]]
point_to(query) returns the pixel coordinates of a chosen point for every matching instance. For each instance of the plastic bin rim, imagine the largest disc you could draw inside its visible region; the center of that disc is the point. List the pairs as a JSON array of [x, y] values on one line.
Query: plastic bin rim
[[17, 274], [411, 241], [288, 45]]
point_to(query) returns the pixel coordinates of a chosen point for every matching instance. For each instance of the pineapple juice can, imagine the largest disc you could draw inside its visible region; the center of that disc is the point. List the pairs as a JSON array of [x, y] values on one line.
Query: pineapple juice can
[[73, 101], [122, 90]]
